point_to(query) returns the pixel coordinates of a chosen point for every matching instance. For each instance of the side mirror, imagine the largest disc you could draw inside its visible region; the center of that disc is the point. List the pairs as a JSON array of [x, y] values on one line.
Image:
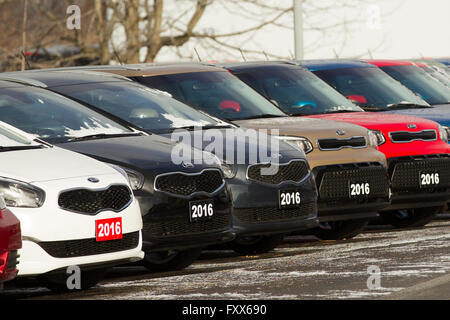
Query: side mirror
[[357, 99]]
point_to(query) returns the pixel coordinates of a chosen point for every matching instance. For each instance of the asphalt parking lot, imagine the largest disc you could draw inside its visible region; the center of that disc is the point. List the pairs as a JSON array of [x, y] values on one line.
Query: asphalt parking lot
[[412, 264]]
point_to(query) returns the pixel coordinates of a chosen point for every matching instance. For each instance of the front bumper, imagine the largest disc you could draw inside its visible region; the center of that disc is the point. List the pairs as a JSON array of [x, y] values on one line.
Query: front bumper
[[405, 179], [167, 225], [335, 202], [54, 238], [256, 208]]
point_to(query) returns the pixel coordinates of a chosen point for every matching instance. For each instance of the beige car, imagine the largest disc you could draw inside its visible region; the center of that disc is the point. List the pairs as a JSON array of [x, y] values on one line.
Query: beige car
[[350, 172]]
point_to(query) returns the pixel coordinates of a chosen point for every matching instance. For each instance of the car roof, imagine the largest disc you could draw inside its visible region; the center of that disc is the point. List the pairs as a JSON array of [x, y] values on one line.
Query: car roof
[[390, 63], [236, 66], [52, 78], [147, 69], [318, 65], [10, 84]]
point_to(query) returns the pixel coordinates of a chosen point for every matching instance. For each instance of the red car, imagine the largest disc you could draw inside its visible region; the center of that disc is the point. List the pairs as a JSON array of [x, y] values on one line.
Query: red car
[[416, 148], [10, 243]]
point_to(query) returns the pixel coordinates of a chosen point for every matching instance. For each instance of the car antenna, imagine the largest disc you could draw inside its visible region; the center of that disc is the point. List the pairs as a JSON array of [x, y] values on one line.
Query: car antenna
[[335, 53], [242, 54], [370, 53], [26, 60], [265, 54], [117, 56], [292, 55], [198, 56]]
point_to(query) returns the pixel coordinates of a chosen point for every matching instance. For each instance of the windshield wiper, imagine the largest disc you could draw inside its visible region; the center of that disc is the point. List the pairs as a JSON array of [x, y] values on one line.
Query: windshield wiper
[[192, 128], [17, 148], [372, 108], [339, 111], [262, 116], [406, 105], [104, 136]]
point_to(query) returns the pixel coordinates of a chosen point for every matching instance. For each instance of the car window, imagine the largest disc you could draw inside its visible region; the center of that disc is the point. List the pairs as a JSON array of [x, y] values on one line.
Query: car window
[[146, 108], [419, 81], [217, 93], [51, 116], [372, 84], [296, 90]]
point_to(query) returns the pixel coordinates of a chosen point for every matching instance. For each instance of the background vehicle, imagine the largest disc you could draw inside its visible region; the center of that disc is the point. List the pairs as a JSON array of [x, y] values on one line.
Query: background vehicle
[[340, 155], [412, 146], [434, 69], [73, 210], [165, 191], [10, 243], [418, 81], [260, 220]]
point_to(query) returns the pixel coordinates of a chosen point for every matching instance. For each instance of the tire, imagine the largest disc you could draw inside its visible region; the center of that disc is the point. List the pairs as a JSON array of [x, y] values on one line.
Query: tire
[[410, 218], [170, 260], [339, 230], [57, 282], [256, 244]]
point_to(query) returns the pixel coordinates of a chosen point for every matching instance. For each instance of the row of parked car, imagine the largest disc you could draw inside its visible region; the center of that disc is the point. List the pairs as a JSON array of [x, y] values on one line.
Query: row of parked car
[[87, 159]]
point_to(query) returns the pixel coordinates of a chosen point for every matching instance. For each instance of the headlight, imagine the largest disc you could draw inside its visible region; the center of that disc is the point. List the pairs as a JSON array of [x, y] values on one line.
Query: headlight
[[136, 179], [444, 133], [298, 142], [229, 170], [21, 194], [376, 138]]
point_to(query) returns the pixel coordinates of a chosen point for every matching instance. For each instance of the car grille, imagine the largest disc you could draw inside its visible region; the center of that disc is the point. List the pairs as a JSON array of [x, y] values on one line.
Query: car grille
[[255, 215], [405, 136], [405, 172], [181, 226], [293, 171], [13, 259], [88, 247], [182, 184], [336, 144], [333, 181], [85, 201]]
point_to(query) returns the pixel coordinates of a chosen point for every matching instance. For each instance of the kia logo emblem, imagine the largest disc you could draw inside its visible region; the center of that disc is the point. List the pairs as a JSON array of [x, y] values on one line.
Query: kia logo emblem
[[187, 165], [340, 132], [412, 126], [93, 180]]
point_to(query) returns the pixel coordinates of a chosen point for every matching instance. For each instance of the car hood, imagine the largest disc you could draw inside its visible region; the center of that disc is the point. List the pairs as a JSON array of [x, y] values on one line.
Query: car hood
[[144, 153], [236, 143], [39, 165], [384, 122], [439, 113], [312, 129]]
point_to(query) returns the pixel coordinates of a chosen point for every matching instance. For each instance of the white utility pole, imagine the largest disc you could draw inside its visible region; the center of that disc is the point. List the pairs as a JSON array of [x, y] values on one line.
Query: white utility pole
[[298, 29]]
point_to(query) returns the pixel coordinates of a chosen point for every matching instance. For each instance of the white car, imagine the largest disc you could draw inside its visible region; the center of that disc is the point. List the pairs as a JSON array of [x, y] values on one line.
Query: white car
[[76, 213]]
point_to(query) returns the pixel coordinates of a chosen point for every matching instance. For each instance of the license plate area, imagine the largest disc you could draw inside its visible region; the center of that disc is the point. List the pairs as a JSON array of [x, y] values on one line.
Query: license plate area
[[201, 210], [360, 189], [108, 229], [288, 199], [429, 179]]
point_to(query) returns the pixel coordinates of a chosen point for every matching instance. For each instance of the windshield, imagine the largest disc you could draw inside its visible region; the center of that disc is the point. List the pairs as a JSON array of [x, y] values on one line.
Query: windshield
[[419, 81], [438, 75], [369, 87], [52, 117], [296, 90], [9, 138], [217, 93], [146, 108]]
